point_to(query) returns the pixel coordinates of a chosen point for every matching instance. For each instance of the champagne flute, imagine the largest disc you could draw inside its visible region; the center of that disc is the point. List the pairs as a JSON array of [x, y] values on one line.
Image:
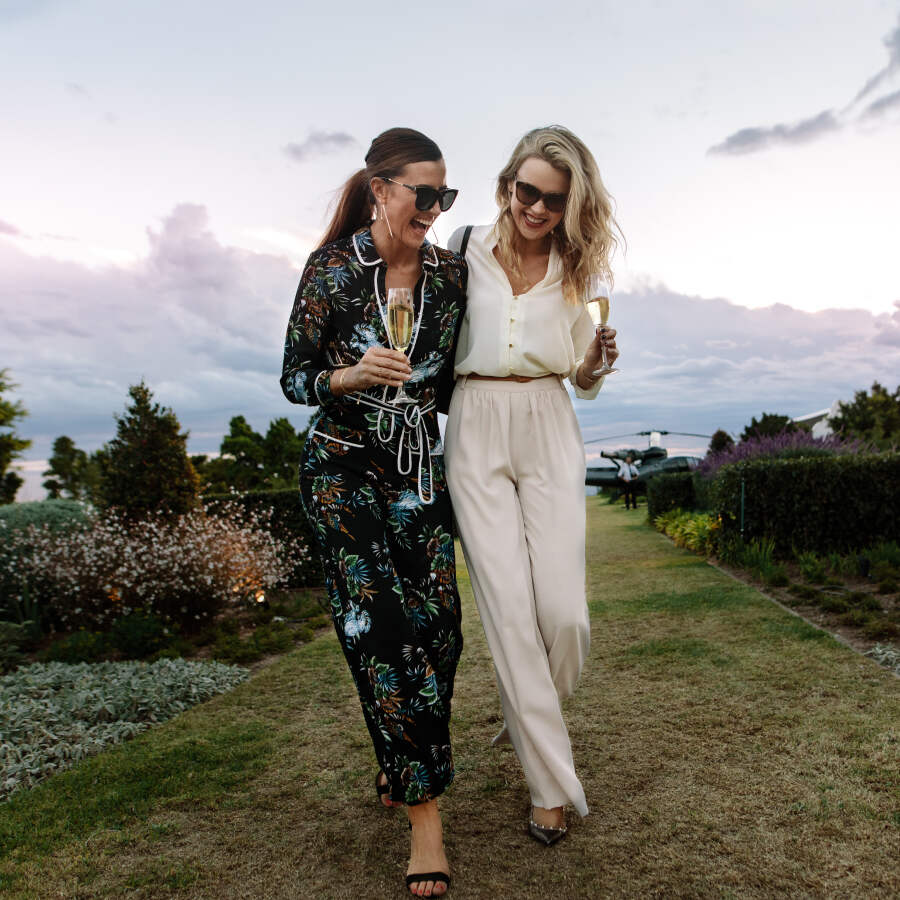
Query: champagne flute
[[400, 315], [597, 303]]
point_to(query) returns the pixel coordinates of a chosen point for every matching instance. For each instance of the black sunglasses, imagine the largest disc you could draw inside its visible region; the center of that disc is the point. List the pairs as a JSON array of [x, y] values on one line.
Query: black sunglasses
[[527, 194], [427, 196]]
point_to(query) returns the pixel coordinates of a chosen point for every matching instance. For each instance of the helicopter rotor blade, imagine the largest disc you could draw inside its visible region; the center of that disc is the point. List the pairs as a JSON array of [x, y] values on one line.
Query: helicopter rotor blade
[[613, 437]]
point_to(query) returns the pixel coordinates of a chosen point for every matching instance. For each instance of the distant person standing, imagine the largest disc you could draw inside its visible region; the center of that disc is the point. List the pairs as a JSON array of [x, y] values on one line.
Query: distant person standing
[[628, 474]]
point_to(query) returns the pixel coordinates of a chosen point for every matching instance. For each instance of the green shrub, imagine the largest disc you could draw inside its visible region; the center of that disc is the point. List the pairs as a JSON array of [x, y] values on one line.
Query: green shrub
[[273, 638], [822, 504], [803, 591], [702, 492], [856, 618], [758, 556], [266, 639], [693, 530], [12, 636], [288, 523], [674, 490], [885, 552], [777, 577], [55, 514], [884, 570], [138, 635], [881, 629], [78, 647], [230, 648], [888, 586], [812, 568], [864, 600], [833, 604]]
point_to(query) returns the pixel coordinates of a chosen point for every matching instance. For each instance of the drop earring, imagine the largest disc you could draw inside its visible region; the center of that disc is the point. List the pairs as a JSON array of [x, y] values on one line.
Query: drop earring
[[387, 221]]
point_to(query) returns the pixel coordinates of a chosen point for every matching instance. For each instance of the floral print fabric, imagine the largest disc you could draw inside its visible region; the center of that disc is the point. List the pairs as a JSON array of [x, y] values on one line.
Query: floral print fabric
[[383, 531]]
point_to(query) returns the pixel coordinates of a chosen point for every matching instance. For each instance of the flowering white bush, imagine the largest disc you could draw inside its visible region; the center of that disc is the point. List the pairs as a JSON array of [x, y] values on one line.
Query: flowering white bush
[[184, 569]]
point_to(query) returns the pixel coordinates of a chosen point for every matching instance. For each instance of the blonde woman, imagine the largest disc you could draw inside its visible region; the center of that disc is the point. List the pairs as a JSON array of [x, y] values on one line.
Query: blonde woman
[[514, 453]]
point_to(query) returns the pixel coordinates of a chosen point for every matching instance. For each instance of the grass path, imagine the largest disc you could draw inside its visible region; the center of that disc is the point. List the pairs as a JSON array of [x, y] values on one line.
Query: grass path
[[727, 750]]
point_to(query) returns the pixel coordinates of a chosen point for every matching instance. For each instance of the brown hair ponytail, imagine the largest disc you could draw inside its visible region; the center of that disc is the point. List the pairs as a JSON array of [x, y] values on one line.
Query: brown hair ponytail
[[388, 156]]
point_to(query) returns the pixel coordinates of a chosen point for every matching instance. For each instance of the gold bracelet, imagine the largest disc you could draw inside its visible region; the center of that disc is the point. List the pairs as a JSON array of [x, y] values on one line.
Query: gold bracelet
[[341, 379]]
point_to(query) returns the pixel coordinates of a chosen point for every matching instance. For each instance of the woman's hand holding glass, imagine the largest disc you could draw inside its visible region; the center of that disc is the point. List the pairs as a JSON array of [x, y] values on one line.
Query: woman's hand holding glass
[[593, 356], [379, 365], [597, 301]]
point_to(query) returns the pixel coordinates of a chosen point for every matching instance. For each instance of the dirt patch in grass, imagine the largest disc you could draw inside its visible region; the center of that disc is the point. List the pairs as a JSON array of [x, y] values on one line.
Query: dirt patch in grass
[[726, 747]]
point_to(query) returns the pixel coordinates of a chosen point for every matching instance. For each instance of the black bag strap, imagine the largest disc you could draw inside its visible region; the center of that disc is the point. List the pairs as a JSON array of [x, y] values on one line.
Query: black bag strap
[[465, 240]]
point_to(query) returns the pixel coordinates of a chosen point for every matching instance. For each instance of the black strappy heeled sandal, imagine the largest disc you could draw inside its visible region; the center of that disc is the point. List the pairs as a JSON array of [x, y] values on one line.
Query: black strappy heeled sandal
[[419, 877]]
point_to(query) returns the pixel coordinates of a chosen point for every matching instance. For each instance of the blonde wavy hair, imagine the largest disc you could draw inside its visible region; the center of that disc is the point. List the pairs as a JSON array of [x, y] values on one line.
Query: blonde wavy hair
[[586, 237]]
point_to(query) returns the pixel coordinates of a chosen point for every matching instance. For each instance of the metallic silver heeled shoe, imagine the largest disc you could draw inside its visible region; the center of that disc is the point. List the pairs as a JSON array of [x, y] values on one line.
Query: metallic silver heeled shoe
[[546, 834], [501, 737]]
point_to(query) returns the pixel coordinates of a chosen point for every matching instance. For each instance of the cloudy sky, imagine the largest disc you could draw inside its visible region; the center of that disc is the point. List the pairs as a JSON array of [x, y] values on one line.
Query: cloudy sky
[[167, 168]]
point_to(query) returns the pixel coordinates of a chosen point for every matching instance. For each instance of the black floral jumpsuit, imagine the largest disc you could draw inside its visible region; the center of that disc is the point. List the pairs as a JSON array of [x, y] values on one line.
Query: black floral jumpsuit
[[372, 484]]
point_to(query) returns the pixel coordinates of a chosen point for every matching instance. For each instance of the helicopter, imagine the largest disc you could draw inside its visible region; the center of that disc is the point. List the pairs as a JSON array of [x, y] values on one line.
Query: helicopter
[[655, 460]]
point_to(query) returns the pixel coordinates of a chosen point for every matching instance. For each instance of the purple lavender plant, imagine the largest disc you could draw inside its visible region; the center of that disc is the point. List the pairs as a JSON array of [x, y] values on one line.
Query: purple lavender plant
[[787, 444]]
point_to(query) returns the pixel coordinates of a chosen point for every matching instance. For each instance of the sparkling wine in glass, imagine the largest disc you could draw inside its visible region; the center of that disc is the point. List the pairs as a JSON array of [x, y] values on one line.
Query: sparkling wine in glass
[[597, 302], [400, 315]]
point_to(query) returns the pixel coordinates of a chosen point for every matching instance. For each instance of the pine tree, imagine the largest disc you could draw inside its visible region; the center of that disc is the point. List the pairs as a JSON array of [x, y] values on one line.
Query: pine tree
[[146, 466], [11, 445], [66, 474], [721, 440]]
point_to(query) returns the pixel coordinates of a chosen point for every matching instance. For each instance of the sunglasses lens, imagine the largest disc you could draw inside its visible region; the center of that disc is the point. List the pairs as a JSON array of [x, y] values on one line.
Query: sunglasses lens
[[447, 199], [527, 193], [555, 202], [425, 197]]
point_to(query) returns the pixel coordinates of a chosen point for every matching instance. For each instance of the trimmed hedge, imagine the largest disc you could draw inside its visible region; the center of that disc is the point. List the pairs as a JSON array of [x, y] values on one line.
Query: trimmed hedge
[[823, 504], [288, 521], [674, 490]]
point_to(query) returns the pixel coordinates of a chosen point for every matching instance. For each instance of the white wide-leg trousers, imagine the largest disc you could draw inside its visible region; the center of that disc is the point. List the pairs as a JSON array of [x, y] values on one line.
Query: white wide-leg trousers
[[514, 459]]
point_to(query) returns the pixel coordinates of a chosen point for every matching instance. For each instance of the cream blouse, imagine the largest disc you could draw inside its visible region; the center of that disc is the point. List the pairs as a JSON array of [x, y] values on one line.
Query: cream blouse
[[532, 334]]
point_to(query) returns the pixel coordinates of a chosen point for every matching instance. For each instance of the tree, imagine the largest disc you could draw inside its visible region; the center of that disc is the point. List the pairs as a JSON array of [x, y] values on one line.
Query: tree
[[146, 467], [282, 452], [67, 470], [872, 417], [720, 441], [11, 445], [769, 425], [249, 461], [244, 447]]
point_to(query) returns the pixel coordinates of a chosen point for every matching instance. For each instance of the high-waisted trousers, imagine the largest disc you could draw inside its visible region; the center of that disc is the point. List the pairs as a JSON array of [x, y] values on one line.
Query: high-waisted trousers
[[390, 571], [515, 467]]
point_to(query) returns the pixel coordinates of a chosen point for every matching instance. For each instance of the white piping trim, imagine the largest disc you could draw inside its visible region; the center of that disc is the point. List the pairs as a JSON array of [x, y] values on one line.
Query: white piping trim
[[316, 385], [382, 311], [336, 440]]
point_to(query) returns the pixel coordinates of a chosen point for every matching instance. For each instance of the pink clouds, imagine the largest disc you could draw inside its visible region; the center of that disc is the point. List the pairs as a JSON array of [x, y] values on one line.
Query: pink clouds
[[203, 323]]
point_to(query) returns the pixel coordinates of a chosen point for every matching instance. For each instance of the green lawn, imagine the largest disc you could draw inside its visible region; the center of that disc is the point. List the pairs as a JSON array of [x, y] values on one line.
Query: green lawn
[[726, 747]]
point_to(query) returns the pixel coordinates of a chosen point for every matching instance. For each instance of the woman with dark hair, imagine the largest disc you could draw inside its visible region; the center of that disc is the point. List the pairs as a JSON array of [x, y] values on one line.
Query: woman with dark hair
[[372, 478]]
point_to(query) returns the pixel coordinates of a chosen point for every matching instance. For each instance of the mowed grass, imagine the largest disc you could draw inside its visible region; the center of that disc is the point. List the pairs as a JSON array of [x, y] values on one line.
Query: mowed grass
[[727, 748]]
